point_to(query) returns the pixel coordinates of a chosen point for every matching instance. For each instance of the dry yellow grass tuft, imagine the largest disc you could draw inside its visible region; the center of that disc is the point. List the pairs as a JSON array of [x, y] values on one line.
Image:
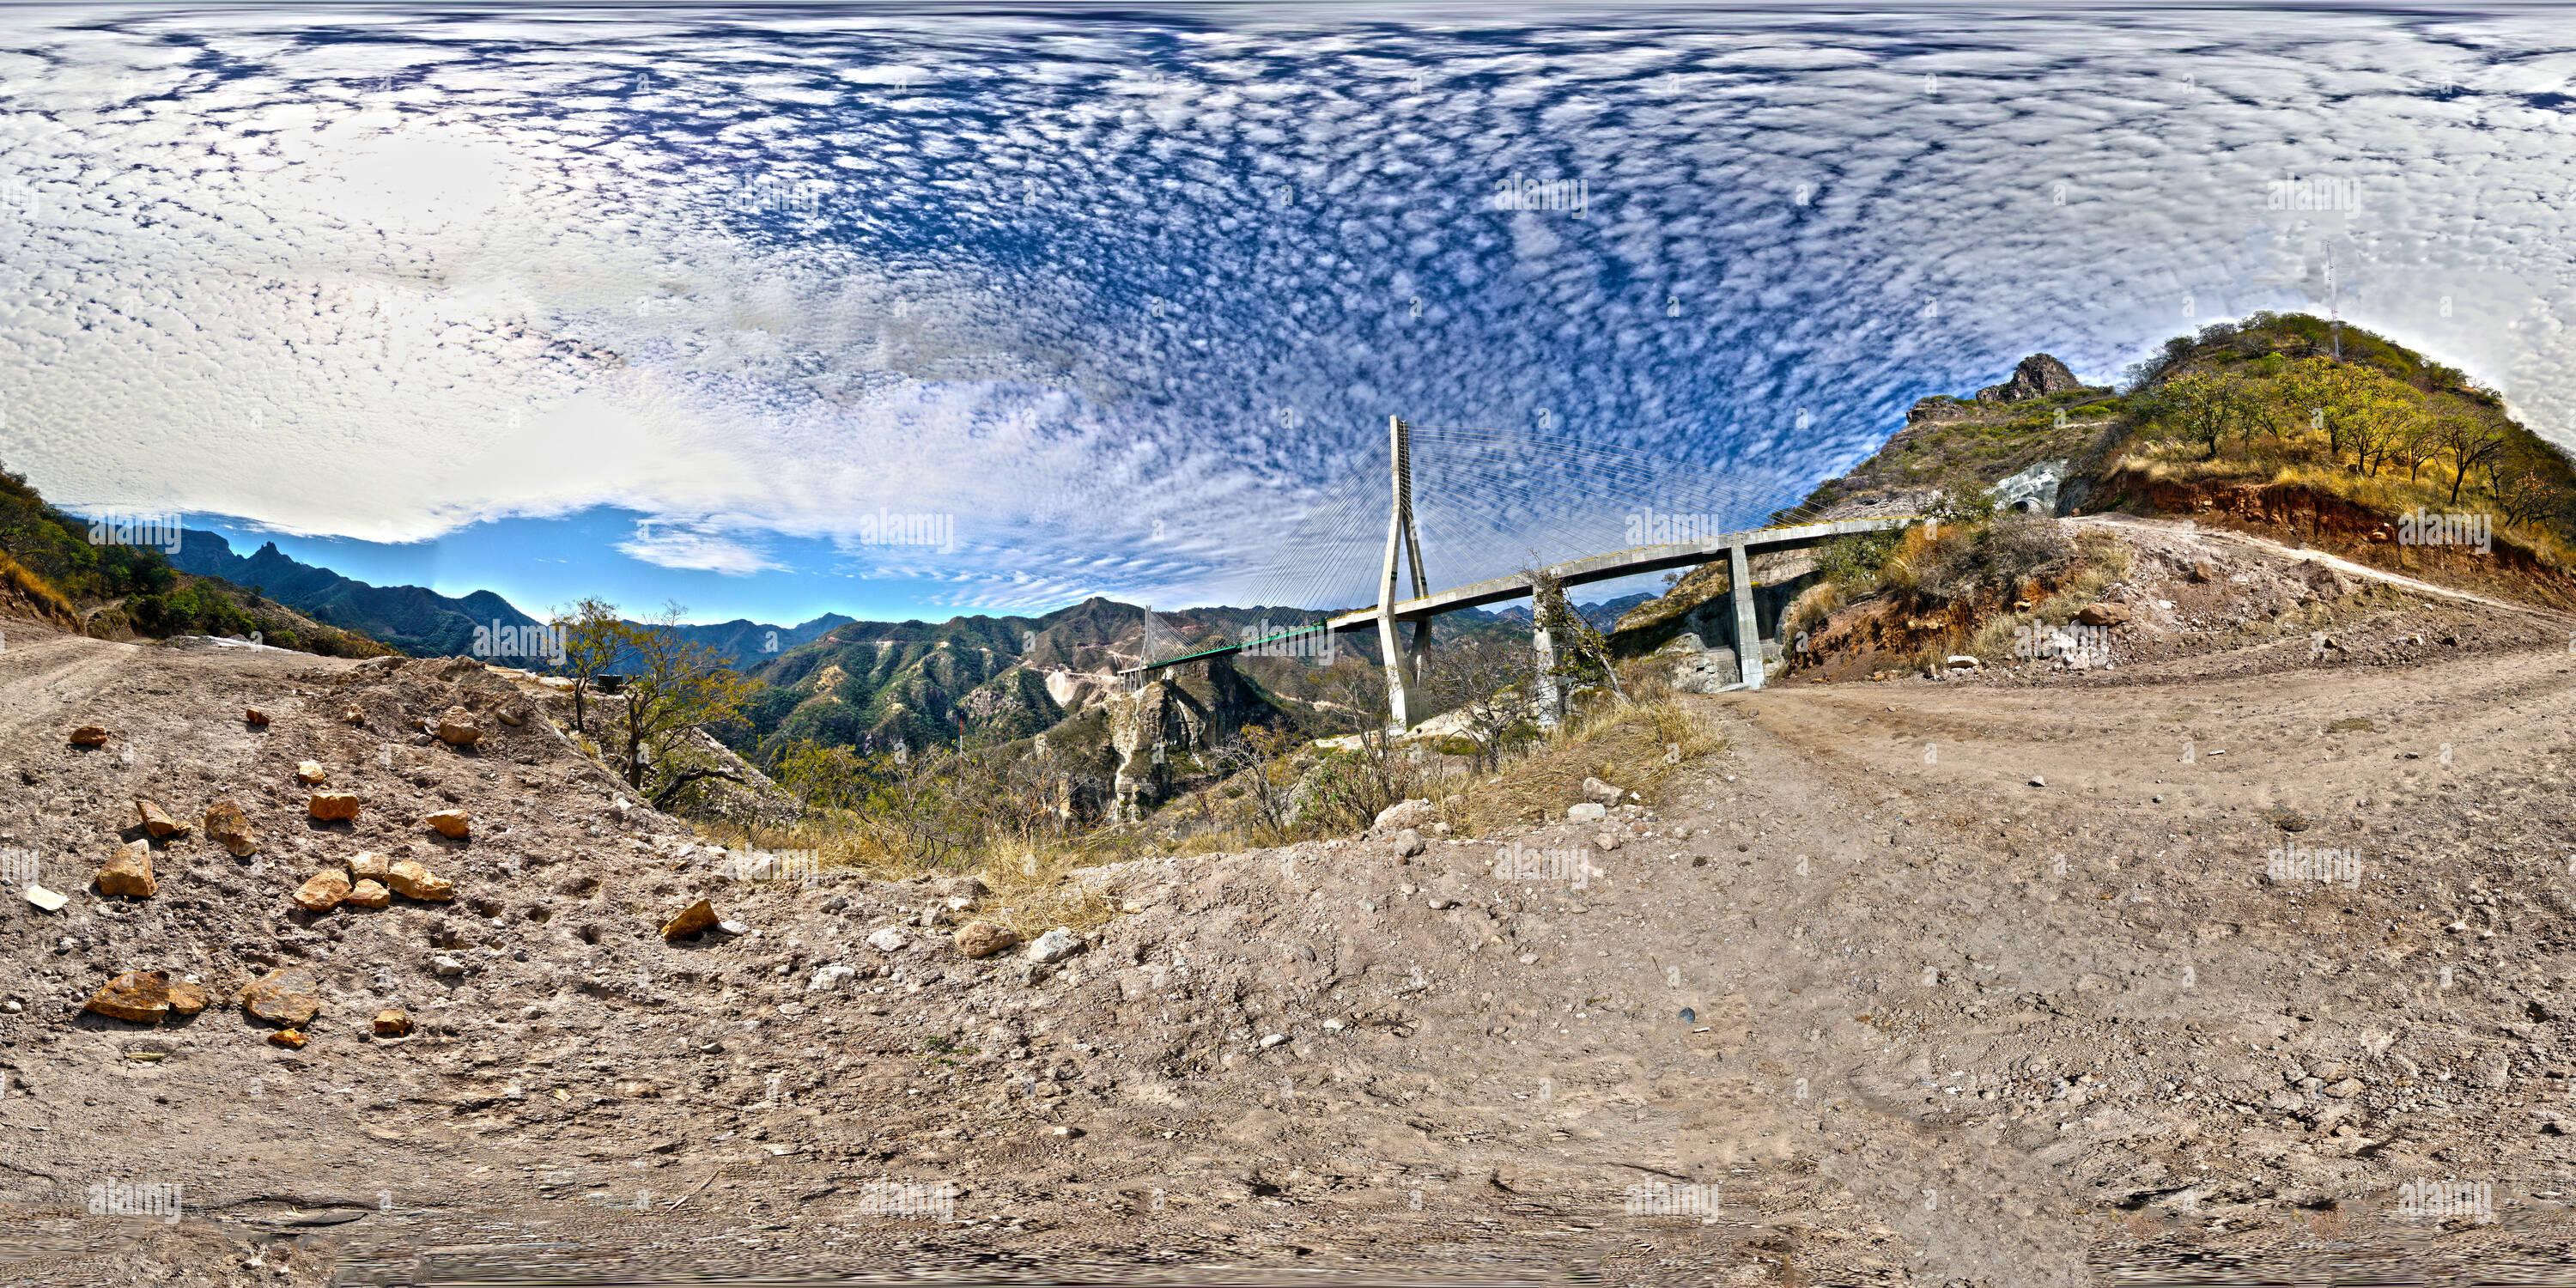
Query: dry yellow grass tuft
[[39, 593], [1637, 747]]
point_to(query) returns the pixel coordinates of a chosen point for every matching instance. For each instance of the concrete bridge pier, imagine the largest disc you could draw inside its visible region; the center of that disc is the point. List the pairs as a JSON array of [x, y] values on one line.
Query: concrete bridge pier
[[1748, 630], [1551, 701], [1390, 649]]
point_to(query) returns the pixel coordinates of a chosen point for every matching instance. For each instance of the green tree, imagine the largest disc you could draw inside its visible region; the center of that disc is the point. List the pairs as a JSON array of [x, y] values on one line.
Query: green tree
[[2207, 409], [594, 644], [2471, 442], [675, 687]]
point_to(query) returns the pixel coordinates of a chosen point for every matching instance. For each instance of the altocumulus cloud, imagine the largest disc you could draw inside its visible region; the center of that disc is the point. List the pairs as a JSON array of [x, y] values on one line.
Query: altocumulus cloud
[[1132, 311]]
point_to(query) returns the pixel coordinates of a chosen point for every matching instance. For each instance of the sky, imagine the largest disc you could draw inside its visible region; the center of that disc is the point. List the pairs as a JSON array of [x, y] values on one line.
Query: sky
[[788, 310]]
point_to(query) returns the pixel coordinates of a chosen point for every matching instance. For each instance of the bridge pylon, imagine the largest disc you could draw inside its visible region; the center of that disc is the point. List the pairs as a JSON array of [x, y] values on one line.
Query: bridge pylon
[[1403, 664]]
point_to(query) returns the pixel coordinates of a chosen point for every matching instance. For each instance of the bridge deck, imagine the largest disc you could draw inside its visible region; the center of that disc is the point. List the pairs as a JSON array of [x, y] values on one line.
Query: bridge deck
[[1576, 572]]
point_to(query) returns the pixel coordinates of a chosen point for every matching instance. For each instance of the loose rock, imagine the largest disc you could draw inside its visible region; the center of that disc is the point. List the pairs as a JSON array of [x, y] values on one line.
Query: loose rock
[[453, 824], [412, 881], [291, 1039], [456, 728], [157, 820], [332, 807], [1409, 843], [888, 940], [392, 1024], [369, 894], [288, 996], [368, 865], [323, 891], [89, 736], [984, 938], [1586, 811], [692, 919], [311, 773], [1055, 945], [142, 996], [1404, 814], [188, 997], [230, 827], [129, 873], [255, 716]]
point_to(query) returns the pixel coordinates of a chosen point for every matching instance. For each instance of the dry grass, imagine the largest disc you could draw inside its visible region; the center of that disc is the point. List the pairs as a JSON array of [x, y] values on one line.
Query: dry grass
[[1639, 747], [1034, 889], [1812, 606], [2384, 494], [38, 592]]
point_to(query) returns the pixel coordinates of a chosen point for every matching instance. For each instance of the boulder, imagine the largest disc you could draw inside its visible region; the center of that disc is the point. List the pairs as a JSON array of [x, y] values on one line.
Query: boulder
[[1404, 814], [130, 872], [2104, 613], [392, 1024], [142, 996], [456, 728], [692, 919], [157, 820], [226, 822], [1056, 945], [453, 824], [188, 997], [333, 807], [369, 894], [1707, 671], [412, 881], [311, 773], [288, 996], [323, 891], [984, 938], [89, 736]]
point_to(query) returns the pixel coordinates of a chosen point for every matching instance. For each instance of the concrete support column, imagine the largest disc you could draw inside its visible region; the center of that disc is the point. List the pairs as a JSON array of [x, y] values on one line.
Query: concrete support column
[[1551, 703], [1748, 631]]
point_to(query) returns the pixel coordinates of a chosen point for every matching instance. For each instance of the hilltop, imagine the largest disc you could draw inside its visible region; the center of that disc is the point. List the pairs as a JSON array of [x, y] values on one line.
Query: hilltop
[[2375, 468]]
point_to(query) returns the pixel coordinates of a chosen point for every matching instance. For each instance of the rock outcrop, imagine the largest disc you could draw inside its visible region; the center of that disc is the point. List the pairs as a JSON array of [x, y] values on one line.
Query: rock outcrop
[[2037, 376]]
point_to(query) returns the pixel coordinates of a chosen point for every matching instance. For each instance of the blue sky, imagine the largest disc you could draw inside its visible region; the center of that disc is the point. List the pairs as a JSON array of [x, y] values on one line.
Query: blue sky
[[700, 307]]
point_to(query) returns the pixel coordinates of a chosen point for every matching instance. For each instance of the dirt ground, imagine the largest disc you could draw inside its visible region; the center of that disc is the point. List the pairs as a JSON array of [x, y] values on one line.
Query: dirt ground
[[1992, 980]]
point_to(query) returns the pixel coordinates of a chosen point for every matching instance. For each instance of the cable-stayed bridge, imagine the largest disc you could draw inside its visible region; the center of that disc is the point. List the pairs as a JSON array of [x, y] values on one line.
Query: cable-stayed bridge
[[1571, 513]]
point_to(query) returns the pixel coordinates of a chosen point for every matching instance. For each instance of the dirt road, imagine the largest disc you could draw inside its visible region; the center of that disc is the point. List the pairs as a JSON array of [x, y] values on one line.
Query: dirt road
[[1835, 1012]]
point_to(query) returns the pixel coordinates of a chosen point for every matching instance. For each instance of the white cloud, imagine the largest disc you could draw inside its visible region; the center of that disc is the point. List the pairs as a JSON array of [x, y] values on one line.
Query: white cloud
[[693, 548], [770, 286]]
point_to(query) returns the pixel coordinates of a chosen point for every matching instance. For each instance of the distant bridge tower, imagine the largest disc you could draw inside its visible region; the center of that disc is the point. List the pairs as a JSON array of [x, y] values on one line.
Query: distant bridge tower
[[1403, 665]]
